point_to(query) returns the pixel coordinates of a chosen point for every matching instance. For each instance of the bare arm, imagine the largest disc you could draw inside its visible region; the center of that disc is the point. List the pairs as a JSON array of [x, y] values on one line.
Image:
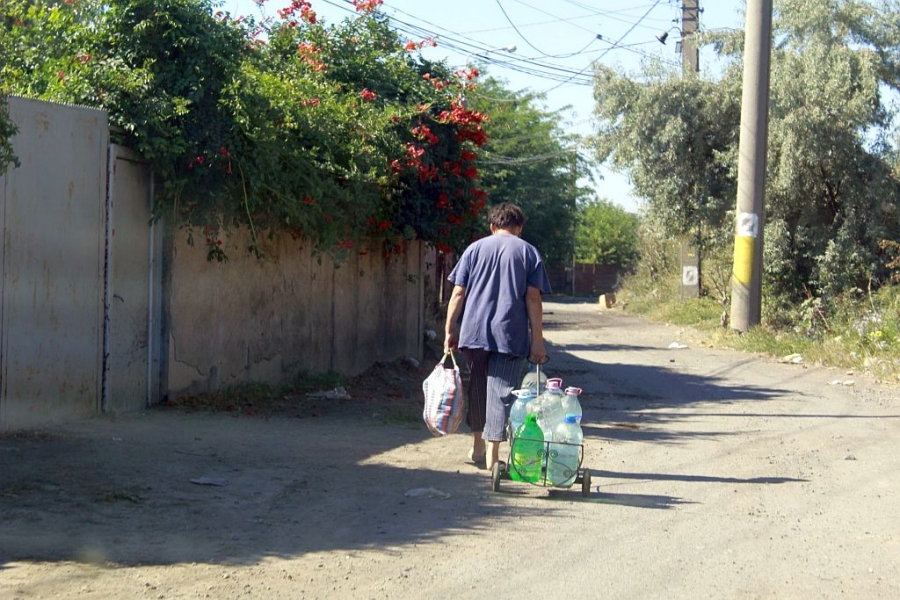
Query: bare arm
[[454, 308], [535, 307]]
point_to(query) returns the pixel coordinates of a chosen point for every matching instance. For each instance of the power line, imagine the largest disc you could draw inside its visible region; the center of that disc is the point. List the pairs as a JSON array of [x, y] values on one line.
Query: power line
[[521, 35], [614, 45], [538, 66]]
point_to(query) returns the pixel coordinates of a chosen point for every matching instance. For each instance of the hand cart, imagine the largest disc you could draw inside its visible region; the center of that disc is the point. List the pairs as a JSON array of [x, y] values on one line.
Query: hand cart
[[555, 457]]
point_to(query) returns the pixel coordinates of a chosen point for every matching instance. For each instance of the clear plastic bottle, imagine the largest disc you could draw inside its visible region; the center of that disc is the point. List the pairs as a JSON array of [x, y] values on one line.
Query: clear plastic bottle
[[565, 455], [527, 451], [571, 404], [519, 409], [552, 412], [535, 381]]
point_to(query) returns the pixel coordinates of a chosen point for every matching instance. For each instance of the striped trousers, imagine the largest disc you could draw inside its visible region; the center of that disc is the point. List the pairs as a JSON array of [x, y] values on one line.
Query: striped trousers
[[492, 378]]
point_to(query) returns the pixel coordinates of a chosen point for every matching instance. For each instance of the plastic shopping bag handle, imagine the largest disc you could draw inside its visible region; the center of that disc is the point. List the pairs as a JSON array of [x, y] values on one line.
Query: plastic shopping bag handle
[[452, 358]]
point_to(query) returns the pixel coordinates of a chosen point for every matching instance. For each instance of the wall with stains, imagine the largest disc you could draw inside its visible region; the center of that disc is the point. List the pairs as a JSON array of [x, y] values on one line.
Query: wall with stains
[[52, 215], [250, 319], [103, 311]]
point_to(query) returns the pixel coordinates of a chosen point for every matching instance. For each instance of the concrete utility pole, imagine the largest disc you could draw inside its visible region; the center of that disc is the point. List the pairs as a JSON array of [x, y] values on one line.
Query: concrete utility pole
[[690, 22], [746, 285], [690, 66]]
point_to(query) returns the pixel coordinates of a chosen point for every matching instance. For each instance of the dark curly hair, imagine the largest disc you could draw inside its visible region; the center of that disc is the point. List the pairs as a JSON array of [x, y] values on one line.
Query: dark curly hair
[[506, 216]]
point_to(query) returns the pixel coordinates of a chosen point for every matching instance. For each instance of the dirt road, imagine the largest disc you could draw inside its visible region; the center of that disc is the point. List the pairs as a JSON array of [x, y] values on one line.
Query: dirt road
[[716, 475]]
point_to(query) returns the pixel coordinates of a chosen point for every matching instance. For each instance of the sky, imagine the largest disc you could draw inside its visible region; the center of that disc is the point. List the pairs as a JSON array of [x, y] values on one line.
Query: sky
[[556, 43]]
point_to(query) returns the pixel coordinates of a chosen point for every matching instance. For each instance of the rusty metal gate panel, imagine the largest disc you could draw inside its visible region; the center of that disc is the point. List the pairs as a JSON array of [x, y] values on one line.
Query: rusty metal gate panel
[[133, 302], [51, 320]]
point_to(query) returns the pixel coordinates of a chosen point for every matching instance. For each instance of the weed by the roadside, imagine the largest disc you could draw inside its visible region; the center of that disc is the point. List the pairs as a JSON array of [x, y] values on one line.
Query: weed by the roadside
[[251, 397], [859, 330]]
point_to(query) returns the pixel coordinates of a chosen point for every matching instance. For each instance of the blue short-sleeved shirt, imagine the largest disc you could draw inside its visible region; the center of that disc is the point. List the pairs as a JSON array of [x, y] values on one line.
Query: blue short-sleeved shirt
[[496, 272]]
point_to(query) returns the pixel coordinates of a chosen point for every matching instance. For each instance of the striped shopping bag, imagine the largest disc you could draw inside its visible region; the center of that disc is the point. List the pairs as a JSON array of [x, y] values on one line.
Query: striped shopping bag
[[444, 407]]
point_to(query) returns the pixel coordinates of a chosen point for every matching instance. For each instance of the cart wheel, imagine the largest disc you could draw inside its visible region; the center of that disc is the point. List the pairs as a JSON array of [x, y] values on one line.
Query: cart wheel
[[586, 484], [495, 477]]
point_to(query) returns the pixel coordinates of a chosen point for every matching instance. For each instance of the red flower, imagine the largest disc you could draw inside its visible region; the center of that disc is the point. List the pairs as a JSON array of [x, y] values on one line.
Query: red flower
[[368, 95], [427, 172], [366, 6], [411, 46], [301, 6]]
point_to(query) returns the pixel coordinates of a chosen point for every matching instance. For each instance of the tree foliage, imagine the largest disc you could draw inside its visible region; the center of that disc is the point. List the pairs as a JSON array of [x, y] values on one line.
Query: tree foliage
[[675, 138], [530, 161], [342, 135], [606, 234], [831, 192]]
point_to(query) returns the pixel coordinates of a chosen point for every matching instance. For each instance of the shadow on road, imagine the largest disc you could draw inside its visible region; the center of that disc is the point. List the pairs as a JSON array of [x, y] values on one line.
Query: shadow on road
[[693, 478], [122, 493]]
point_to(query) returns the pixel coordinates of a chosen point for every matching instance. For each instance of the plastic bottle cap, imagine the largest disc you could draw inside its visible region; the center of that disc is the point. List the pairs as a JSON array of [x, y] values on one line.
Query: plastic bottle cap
[[573, 419], [573, 391]]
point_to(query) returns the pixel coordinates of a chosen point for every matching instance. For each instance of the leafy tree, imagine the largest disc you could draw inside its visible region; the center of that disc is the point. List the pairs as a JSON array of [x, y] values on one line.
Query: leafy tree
[[674, 136], [831, 196], [530, 161], [606, 234], [831, 193], [341, 135], [7, 130]]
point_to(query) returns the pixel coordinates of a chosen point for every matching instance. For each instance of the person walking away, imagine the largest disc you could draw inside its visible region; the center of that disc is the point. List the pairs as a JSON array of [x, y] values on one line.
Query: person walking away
[[495, 317]]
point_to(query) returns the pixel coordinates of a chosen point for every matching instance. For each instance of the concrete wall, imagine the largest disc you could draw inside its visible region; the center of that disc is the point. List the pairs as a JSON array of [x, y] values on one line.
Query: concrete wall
[[100, 313], [585, 279], [133, 297], [52, 212], [248, 319]]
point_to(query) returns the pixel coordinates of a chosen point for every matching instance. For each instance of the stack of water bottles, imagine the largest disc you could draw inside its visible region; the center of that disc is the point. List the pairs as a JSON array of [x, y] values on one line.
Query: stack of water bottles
[[546, 434]]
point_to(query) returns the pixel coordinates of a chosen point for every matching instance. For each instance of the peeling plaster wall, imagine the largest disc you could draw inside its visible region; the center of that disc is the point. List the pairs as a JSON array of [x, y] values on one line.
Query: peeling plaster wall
[[249, 319]]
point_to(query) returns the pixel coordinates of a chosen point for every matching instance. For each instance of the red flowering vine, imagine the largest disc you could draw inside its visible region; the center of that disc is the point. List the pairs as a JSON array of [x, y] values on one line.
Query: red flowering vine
[[301, 6], [309, 54], [367, 6]]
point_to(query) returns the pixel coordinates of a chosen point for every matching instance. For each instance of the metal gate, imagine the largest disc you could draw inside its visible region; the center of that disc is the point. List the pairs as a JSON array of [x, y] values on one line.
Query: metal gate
[[77, 284]]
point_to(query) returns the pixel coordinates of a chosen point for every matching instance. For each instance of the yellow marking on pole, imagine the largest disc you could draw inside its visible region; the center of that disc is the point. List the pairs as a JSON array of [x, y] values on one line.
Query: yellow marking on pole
[[743, 259]]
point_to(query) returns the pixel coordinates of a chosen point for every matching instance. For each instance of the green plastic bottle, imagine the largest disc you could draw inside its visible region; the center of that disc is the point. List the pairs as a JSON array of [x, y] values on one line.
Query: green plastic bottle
[[527, 451]]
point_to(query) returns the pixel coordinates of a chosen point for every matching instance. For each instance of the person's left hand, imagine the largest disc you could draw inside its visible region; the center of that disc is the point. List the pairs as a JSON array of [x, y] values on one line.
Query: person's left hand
[[451, 341], [538, 351]]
